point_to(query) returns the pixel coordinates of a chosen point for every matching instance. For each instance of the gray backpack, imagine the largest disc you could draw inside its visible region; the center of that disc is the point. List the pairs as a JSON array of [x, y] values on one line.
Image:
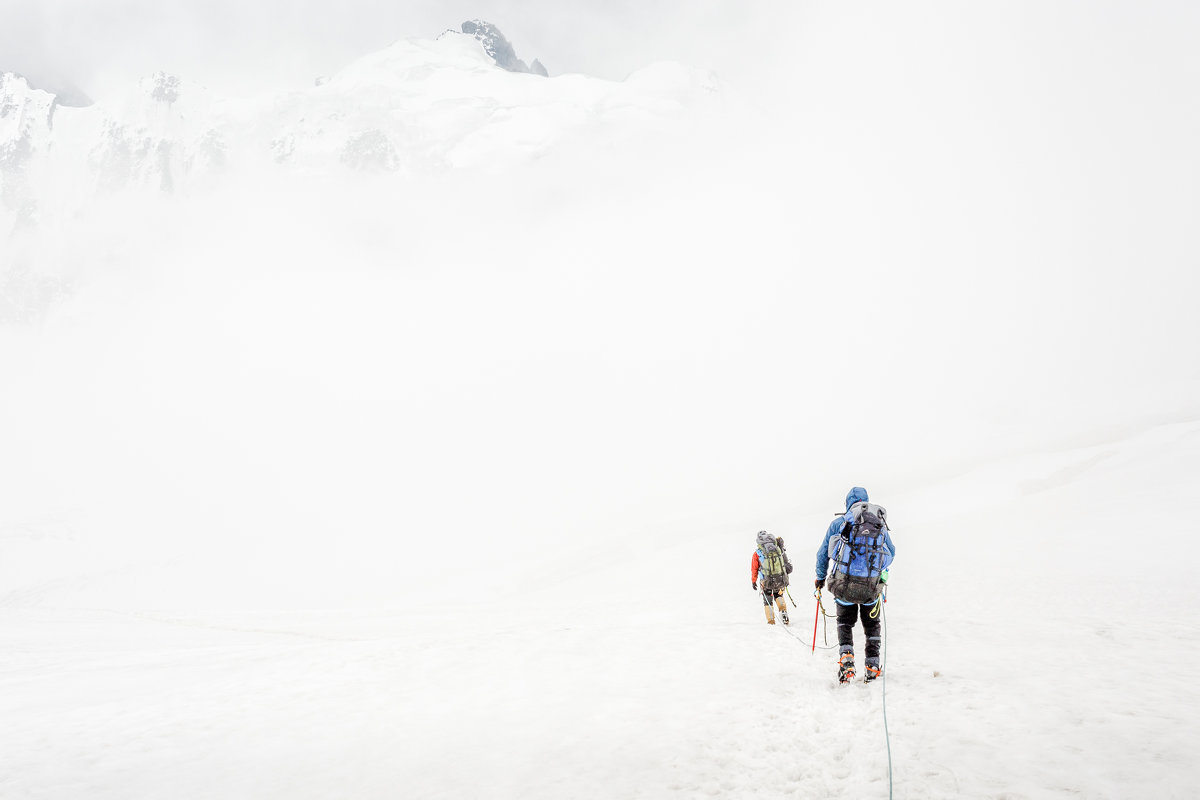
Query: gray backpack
[[771, 563]]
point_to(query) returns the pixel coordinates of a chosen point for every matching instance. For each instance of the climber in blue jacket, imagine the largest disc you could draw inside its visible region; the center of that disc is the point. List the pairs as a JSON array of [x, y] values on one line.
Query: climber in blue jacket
[[866, 568]]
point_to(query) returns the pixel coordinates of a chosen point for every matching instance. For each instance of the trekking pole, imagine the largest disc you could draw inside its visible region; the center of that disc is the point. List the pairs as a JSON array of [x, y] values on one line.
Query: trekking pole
[[816, 616], [789, 594]]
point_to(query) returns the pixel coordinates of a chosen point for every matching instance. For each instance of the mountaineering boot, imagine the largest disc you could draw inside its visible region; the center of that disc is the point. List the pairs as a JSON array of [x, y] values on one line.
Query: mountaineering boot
[[871, 670], [770, 615], [782, 610], [846, 668]]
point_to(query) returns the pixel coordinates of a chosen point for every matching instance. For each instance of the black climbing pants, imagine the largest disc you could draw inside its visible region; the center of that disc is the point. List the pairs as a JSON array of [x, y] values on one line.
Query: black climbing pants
[[848, 615]]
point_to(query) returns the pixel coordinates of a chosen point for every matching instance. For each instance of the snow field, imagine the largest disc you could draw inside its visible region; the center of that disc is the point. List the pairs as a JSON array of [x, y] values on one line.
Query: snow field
[[1007, 676]]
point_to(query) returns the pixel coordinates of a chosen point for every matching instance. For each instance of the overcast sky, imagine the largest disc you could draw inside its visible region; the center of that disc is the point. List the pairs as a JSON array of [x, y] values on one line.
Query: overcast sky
[[234, 45]]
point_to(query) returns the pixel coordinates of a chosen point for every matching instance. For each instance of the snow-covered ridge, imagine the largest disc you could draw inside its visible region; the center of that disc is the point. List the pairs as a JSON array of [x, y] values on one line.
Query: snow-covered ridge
[[64, 91], [26, 122], [416, 106]]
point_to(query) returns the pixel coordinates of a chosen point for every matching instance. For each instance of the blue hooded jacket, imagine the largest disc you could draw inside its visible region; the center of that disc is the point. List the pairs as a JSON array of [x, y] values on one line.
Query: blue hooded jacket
[[856, 495]]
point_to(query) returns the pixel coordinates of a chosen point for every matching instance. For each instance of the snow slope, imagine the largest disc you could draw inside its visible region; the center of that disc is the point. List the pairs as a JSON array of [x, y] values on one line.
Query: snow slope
[[1025, 659]]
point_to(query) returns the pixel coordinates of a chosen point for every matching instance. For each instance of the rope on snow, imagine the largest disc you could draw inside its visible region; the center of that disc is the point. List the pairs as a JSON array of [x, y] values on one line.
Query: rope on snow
[[886, 736]]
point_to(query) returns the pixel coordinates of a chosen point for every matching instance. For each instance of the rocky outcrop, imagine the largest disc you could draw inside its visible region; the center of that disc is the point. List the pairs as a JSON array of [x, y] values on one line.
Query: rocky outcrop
[[164, 87], [154, 145], [499, 48], [370, 151]]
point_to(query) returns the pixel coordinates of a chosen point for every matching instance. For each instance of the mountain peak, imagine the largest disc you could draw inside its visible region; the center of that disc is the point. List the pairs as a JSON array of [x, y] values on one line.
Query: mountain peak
[[499, 48]]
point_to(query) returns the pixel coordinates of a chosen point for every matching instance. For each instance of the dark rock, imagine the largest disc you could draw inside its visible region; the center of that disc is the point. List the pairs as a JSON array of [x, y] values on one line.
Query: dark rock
[[165, 87], [499, 48]]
